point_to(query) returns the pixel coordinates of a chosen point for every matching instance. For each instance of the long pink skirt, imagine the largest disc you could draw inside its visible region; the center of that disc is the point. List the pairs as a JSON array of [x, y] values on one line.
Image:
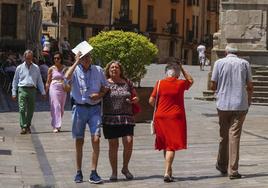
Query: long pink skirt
[[57, 98]]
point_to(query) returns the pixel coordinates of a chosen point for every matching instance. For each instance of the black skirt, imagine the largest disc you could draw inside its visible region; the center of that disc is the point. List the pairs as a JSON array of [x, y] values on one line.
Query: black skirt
[[117, 131]]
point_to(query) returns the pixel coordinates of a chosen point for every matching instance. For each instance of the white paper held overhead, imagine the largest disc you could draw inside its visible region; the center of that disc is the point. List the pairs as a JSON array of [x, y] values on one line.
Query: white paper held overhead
[[84, 47]]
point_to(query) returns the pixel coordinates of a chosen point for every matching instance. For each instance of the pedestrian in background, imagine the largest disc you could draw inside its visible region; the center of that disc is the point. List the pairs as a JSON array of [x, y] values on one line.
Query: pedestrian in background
[[232, 81], [201, 49], [89, 85], [57, 95], [118, 118], [26, 79], [170, 117]]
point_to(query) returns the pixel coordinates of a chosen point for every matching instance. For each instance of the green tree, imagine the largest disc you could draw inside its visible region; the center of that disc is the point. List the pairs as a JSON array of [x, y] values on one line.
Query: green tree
[[133, 50]]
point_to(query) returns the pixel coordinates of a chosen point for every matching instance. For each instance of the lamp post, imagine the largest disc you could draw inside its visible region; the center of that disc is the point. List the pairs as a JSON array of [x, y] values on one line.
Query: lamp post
[[58, 20], [27, 30], [48, 3]]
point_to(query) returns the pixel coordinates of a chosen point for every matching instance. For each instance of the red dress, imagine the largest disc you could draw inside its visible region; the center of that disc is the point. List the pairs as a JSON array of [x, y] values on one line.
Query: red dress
[[170, 120]]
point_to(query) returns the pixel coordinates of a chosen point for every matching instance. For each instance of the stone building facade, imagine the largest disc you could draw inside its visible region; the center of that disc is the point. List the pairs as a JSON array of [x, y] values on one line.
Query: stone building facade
[[13, 19], [243, 22]]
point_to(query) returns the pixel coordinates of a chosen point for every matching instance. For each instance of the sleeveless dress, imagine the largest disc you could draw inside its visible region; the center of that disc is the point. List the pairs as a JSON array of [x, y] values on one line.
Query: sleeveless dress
[[118, 119], [170, 119], [57, 98]]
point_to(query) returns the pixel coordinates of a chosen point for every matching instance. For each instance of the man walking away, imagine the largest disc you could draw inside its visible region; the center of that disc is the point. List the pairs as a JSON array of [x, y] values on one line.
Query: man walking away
[[201, 49], [232, 81]]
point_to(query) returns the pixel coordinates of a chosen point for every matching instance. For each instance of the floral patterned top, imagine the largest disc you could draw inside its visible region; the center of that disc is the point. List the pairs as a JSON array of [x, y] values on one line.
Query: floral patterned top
[[116, 109]]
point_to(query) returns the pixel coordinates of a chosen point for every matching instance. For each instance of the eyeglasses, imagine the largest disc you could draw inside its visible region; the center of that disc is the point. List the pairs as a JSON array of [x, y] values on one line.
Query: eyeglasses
[[57, 58]]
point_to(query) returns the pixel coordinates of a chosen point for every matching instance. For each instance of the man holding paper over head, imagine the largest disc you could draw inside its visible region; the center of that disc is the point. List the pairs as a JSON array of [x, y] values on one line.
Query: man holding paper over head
[[89, 85]]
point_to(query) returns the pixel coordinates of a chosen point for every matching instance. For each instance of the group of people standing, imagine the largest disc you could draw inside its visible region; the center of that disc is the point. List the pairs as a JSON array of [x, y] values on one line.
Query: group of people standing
[[103, 99]]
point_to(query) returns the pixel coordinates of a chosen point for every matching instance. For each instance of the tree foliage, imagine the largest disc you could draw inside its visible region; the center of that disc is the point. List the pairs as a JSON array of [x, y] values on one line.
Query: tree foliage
[[133, 50]]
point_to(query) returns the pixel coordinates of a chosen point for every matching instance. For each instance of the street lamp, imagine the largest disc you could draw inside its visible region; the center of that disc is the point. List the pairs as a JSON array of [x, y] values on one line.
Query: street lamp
[[48, 3]]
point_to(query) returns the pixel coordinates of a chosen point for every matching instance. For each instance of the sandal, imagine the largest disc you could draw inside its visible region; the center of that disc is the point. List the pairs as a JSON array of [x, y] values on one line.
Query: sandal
[[128, 175], [113, 178], [168, 179]]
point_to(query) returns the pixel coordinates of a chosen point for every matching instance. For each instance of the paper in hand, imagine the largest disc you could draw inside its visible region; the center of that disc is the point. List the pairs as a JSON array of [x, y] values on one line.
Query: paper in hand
[[84, 47]]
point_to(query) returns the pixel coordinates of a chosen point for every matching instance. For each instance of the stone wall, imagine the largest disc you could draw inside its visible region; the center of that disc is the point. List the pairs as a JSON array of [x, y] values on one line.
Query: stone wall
[[243, 22]]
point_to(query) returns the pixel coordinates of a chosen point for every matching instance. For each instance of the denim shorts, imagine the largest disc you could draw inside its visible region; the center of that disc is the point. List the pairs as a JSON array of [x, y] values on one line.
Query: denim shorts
[[82, 116]]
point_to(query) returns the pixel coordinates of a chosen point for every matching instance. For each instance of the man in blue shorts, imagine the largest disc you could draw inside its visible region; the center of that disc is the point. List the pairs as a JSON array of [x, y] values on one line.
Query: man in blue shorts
[[89, 85]]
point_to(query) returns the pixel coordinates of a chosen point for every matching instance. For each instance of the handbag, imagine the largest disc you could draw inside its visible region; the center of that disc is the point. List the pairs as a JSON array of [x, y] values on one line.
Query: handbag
[[66, 87], [152, 125], [136, 108]]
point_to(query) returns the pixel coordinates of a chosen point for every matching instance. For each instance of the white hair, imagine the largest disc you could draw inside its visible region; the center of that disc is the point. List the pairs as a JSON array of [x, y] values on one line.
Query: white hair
[[231, 48], [172, 70], [171, 73]]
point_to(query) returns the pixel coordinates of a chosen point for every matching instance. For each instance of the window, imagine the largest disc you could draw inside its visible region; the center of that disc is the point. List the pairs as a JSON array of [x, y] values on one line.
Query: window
[[197, 27], [9, 20], [172, 46], [189, 2], [193, 25], [208, 27], [99, 3], [173, 16], [124, 9], [150, 18], [78, 8]]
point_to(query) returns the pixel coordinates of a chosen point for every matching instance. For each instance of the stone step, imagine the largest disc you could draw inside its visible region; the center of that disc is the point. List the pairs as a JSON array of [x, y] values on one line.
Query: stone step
[[260, 78], [206, 98], [260, 83], [261, 73], [259, 67], [260, 94], [259, 104], [207, 93], [260, 100], [261, 88]]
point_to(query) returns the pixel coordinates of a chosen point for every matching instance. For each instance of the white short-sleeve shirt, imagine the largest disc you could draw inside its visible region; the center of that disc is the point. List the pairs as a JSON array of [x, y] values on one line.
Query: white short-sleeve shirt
[[232, 75]]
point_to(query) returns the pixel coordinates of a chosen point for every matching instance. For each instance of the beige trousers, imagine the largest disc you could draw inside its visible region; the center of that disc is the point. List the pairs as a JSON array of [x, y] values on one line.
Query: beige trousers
[[231, 123]]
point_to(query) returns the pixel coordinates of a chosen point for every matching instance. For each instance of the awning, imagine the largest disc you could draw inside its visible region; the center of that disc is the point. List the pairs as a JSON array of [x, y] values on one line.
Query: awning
[[49, 24]]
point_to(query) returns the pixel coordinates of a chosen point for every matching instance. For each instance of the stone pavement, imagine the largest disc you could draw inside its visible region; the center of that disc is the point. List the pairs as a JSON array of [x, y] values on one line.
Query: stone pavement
[[45, 159]]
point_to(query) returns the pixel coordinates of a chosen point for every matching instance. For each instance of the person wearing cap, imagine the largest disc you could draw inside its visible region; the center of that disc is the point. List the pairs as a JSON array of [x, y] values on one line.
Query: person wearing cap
[[26, 79], [232, 81], [89, 85]]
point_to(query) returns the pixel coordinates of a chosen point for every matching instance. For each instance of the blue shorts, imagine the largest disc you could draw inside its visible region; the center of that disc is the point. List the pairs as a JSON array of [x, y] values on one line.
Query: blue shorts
[[81, 116]]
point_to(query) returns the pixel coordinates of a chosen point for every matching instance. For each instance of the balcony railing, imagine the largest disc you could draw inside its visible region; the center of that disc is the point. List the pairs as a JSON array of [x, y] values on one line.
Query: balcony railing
[[189, 36], [152, 26], [174, 28]]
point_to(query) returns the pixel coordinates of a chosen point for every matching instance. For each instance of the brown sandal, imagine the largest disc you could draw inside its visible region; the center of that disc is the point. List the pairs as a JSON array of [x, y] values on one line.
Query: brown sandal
[[128, 175]]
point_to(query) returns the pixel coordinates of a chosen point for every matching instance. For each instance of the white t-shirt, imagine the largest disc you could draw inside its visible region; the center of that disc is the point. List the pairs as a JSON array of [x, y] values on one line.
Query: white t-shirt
[[201, 50]]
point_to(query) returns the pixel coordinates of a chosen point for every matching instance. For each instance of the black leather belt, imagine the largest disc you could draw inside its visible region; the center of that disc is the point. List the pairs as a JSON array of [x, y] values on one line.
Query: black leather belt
[[87, 105], [28, 87]]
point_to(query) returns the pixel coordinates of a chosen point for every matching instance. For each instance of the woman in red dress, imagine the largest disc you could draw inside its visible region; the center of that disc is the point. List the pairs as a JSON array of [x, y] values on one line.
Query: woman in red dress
[[169, 119]]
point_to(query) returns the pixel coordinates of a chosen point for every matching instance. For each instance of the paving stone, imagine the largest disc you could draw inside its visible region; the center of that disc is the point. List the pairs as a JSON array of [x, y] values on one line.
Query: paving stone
[[45, 159]]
